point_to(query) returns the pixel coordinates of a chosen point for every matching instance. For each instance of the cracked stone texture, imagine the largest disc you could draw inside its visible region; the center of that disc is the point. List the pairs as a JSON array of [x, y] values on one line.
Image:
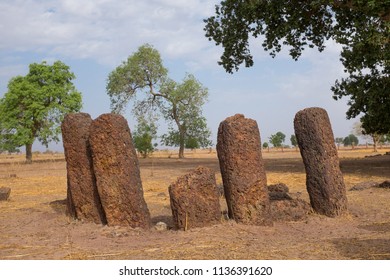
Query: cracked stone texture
[[4, 193], [117, 172], [194, 199], [83, 200], [324, 180], [242, 169]]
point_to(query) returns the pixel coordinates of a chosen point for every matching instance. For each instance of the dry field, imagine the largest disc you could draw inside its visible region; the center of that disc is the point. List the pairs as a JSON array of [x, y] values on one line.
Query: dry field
[[33, 224]]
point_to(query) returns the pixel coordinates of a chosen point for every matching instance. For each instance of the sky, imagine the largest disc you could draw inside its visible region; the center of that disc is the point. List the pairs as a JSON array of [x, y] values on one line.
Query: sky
[[93, 37]]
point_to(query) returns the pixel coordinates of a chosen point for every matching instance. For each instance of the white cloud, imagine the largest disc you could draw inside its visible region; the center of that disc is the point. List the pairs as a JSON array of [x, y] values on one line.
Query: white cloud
[[104, 30], [107, 31], [9, 71]]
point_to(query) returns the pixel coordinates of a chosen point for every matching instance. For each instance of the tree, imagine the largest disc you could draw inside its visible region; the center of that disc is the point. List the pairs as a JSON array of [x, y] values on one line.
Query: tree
[[376, 137], [294, 141], [351, 140], [339, 141], [143, 136], [361, 27], [196, 136], [178, 103], [277, 139], [387, 138], [5, 141], [35, 105]]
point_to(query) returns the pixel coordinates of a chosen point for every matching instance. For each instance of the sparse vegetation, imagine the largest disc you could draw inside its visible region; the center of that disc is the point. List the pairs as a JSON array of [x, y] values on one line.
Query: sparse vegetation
[[39, 228]]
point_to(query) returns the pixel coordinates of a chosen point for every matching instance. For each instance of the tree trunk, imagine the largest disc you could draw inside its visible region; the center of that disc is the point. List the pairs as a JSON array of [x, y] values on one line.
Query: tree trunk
[[29, 153], [181, 148], [181, 151], [375, 140]]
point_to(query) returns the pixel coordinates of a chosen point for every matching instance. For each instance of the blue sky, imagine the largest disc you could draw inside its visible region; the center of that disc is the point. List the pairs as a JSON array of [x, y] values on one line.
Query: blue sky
[[95, 36]]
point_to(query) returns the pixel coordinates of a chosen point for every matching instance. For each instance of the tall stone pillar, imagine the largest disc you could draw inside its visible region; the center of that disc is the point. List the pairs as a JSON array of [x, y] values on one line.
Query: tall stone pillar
[[117, 172], [242, 168], [83, 200], [324, 180]]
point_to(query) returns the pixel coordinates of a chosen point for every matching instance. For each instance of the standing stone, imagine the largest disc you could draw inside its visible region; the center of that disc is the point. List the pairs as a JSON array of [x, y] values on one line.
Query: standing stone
[[117, 172], [195, 200], [242, 168], [83, 200], [4, 193], [324, 180]]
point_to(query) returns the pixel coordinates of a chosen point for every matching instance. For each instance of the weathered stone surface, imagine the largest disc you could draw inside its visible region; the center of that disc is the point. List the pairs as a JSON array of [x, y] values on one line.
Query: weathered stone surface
[[161, 226], [293, 209], [384, 185], [83, 200], [116, 168], [284, 207], [4, 193], [364, 185], [278, 192], [324, 180], [242, 168], [195, 200]]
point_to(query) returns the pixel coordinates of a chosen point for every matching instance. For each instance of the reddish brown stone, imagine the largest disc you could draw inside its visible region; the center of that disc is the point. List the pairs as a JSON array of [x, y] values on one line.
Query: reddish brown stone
[[286, 210], [195, 200], [83, 200], [242, 168], [284, 206], [278, 192], [384, 185], [324, 180], [4, 193], [117, 172]]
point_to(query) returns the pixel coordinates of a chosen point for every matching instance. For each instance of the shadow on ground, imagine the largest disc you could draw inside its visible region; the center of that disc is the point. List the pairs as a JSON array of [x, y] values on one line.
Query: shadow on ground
[[367, 249]]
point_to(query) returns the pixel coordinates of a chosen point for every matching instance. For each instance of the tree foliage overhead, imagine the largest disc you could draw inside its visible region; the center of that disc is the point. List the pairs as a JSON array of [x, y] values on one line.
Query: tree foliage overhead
[[180, 104], [362, 27], [35, 105]]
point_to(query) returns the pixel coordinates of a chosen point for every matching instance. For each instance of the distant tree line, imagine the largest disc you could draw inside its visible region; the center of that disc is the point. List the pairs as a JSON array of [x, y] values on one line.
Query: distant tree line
[[277, 140]]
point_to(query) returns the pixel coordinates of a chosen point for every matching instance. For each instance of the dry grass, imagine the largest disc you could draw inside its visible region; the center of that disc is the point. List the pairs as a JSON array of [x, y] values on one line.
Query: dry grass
[[33, 224]]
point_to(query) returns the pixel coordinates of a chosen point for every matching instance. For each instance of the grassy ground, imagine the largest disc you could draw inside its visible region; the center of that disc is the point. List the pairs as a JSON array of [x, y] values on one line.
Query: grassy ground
[[33, 224]]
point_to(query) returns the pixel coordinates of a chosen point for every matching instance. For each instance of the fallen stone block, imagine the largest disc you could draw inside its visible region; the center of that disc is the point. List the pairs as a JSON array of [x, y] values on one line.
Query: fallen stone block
[[195, 200]]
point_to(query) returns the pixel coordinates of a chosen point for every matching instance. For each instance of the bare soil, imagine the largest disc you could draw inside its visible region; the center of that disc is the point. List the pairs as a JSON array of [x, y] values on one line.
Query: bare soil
[[33, 224]]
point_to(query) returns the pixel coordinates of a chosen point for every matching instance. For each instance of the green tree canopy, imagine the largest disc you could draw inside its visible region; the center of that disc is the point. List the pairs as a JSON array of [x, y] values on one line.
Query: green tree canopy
[[293, 140], [361, 27], [34, 106], [144, 133], [180, 104], [277, 139], [351, 140]]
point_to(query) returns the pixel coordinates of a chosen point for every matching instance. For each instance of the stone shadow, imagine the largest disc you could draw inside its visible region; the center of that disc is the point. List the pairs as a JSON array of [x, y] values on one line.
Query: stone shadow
[[367, 249]]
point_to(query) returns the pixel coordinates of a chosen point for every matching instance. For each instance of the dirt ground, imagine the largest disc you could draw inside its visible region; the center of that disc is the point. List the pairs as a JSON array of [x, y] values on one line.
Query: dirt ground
[[33, 224]]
